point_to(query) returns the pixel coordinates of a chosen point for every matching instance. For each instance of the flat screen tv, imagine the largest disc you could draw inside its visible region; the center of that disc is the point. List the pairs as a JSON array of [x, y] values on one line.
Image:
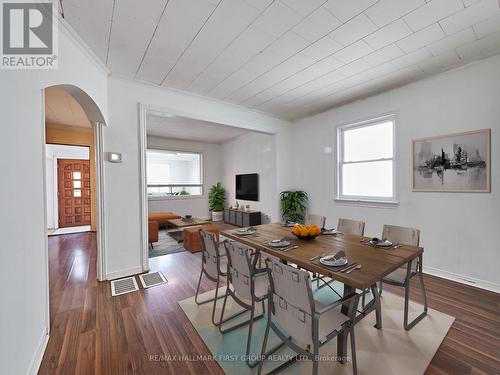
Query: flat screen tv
[[247, 187]]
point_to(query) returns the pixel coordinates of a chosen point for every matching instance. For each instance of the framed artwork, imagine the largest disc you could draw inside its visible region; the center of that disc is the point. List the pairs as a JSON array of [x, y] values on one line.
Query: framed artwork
[[453, 163]]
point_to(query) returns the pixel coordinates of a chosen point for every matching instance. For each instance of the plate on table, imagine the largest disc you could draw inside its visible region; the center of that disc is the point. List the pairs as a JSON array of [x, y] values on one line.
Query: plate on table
[[380, 243], [279, 243], [331, 261], [332, 232], [288, 224], [245, 232]]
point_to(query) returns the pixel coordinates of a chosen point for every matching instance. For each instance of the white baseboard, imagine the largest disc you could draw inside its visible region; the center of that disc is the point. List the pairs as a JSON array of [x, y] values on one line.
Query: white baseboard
[[478, 283], [38, 356], [123, 273]]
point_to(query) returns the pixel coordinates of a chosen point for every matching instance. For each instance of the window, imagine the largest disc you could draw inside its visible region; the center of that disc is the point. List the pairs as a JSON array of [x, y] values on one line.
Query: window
[[174, 173], [366, 162]]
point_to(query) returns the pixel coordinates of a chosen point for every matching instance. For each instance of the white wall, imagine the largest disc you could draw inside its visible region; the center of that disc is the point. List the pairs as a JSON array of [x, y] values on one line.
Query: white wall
[[52, 153], [24, 312], [253, 153], [459, 230], [123, 232], [212, 165]]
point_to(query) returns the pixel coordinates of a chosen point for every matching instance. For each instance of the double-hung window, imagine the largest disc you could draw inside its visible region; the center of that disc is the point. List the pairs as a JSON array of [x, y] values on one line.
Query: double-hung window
[[174, 173], [366, 163]]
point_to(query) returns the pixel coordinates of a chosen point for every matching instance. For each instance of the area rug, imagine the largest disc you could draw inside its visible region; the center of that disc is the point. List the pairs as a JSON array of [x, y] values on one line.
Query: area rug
[[390, 350], [165, 245]]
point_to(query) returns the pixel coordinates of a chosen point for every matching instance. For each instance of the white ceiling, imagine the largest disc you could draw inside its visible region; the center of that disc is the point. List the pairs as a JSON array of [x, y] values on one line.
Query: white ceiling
[[190, 129], [288, 58], [62, 109]]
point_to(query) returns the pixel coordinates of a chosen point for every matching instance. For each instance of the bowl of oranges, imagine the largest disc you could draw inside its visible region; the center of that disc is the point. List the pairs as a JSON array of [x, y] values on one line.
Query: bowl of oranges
[[306, 232]]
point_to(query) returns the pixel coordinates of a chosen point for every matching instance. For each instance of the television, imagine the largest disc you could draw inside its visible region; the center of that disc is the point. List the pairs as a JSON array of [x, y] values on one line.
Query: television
[[247, 187]]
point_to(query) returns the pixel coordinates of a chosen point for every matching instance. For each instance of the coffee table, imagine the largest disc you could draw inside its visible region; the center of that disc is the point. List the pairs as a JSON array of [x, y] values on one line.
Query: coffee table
[[183, 223]]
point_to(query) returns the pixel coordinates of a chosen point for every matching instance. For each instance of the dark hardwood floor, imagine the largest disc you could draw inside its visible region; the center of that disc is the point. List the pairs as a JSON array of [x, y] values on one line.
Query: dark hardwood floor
[[94, 333]]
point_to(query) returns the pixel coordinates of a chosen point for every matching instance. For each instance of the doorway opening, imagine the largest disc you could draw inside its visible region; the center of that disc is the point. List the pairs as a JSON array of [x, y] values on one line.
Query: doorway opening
[[69, 189], [182, 159]]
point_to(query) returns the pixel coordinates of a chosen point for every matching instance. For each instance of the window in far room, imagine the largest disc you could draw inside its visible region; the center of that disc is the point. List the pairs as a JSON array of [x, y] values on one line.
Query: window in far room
[[366, 164], [174, 173]]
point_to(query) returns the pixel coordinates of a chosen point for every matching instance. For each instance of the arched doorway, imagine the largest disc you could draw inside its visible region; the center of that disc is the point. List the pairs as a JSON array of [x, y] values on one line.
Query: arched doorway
[[96, 121]]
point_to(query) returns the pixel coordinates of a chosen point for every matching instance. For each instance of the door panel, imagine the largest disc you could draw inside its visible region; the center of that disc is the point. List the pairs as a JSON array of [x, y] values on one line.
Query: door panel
[[74, 192]]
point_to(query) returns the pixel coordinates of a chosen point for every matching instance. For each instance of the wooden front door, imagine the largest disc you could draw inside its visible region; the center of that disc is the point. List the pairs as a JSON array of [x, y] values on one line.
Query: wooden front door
[[73, 181]]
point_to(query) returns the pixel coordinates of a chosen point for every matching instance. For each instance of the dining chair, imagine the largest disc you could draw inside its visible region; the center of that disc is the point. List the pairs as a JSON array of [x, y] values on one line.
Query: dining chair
[[292, 306], [345, 226], [247, 286], [213, 266], [402, 276], [318, 220], [348, 226]]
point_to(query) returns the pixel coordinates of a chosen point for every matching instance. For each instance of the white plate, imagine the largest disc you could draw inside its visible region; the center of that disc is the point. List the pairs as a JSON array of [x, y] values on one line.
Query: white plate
[[335, 263], [288, 225], [330, 232], [382, 243], [279, 243], [246, 232]]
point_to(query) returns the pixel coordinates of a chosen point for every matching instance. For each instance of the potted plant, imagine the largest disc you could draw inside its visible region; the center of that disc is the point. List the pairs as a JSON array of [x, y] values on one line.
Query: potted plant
[[216, 200], [293, 205]]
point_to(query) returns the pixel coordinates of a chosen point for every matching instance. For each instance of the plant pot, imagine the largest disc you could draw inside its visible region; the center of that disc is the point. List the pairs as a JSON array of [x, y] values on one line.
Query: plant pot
[[217, 215]]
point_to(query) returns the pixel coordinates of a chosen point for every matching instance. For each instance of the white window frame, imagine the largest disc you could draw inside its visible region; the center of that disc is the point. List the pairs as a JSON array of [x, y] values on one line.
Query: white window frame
[[179, 197], [389, 201]]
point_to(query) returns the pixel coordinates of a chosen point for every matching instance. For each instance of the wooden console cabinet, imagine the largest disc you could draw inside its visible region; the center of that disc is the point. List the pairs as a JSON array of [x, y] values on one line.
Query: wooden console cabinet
[[241, 218]]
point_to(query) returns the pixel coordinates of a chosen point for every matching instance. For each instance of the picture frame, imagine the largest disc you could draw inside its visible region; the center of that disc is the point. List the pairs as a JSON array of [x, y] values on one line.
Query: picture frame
[[457, 162]]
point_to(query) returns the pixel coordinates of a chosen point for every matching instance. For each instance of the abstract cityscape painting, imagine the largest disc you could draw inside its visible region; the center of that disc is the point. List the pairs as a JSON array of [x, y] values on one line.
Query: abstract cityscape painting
[[454, 162]]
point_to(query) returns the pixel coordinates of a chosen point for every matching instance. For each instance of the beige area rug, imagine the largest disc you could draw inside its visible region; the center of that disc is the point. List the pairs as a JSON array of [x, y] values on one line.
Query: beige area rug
[[390, 350]]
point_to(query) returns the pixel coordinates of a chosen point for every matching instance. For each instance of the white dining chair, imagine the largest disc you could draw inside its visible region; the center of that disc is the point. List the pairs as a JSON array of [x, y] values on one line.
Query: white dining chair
[[295, 316], [348, 226], [247, 286], [402, 276], [318, 220], [213, 267]]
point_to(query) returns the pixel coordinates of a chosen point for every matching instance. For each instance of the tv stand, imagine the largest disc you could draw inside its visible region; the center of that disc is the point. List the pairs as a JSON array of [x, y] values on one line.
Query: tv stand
[[241, 218]]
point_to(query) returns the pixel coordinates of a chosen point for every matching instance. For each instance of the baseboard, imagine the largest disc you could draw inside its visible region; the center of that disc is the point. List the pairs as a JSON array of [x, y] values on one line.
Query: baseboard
[[123, 273], [478, 283], [38, 356]]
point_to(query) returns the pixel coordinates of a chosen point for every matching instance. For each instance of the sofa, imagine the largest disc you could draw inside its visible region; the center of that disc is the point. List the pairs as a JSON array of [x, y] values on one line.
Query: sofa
[[152, 232], [162, 217]]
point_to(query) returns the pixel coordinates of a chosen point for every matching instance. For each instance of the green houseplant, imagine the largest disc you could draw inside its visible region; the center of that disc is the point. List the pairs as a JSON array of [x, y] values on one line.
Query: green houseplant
[[216, 199], [293, 205]]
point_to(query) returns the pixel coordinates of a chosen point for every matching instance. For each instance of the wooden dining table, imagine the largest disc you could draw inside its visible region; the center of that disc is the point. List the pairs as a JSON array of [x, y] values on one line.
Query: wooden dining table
[[376, 262]]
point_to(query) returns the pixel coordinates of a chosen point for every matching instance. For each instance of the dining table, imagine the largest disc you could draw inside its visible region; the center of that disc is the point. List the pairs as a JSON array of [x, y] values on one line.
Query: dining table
[[376, 262]]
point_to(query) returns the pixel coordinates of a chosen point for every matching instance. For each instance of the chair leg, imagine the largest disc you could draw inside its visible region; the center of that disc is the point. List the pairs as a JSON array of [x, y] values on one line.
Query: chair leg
[[249, 338], [215, 302], [264, 345], [236, 326], [378, 307], [224, 305], [410, 325], [380, 288], [198, 291], [353, 351], [315, 360]]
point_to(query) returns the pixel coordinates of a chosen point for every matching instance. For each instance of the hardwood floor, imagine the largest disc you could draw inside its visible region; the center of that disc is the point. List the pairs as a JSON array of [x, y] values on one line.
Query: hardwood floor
[[94, 333]]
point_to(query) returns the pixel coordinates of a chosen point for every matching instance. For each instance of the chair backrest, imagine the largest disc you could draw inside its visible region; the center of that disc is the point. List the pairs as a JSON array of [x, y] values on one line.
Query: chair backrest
[[239, 266], [348, 226], [316, 220], [292, 299], [402, 235], [210, 253]]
